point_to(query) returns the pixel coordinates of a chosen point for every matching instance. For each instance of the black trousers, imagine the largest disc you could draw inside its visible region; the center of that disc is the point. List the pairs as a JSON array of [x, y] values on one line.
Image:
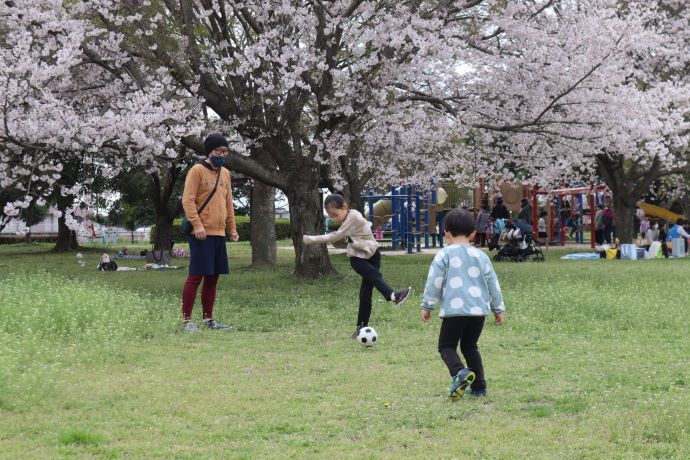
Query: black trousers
[[368, 269], [608, 231], [464, 330]]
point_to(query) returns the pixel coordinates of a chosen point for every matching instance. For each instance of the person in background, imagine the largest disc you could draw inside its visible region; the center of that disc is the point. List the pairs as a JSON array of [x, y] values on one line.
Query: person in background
[[482, 225], [663, 236], [599, 225], [678, 231], [541, 226], [607, 220], [525, 213], [564, 213], [573, 223], [499, 211], [651, 235], [638, 218], [644, 226]]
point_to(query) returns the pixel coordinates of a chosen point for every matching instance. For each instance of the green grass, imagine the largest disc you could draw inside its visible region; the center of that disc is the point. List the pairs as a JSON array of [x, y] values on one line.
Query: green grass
[[592, 363]]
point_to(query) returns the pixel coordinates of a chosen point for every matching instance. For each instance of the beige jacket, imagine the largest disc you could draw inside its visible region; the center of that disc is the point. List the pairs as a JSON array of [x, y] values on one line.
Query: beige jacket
[[361, 242]]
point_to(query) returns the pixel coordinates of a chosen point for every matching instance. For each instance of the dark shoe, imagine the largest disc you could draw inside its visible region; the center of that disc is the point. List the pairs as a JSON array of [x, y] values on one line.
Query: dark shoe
[[478, 393], [401, 296], [213, 324], [356, 333], [461, 381]]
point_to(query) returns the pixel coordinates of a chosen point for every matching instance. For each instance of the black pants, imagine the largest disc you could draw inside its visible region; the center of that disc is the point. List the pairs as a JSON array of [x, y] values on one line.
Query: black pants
[[464, 330], [368, 269], [608, 234]]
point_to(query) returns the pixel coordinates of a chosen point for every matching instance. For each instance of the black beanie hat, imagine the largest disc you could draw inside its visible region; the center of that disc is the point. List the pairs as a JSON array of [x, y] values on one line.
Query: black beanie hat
[[213, 141]]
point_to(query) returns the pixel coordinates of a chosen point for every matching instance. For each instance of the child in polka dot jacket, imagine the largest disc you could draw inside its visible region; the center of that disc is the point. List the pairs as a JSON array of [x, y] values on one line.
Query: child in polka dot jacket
[[463, 280]]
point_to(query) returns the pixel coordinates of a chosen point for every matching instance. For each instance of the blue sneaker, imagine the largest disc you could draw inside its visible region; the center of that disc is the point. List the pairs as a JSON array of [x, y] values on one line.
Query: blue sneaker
[[477, 393], [461, 381]]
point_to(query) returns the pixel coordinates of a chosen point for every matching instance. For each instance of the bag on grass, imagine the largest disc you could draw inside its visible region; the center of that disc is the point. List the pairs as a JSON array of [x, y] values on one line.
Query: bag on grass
[[186, 226], [107, 264], [612, 253], [628, 252], [678, 247]]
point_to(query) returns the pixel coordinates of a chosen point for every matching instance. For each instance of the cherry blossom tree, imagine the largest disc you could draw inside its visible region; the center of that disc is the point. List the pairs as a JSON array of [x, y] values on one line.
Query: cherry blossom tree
[[584, 89], [289, 77], [347, 92], [62, 100]]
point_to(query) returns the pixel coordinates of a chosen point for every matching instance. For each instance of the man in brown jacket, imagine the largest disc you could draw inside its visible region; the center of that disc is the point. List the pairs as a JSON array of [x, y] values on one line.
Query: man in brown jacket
[[209, 257]]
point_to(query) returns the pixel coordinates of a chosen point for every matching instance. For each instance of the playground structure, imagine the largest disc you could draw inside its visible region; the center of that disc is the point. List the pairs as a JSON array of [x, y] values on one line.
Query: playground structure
[[410, 213], [662, 213], [415, 213], [583, 201]]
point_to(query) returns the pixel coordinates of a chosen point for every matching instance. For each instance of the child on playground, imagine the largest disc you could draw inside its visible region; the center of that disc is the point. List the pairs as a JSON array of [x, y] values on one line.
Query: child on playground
[[463, 280], [541, 226], [364, 254]]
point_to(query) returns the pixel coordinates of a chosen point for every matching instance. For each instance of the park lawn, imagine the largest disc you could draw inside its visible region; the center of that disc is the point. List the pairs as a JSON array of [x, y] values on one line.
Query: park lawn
[[592, 363]]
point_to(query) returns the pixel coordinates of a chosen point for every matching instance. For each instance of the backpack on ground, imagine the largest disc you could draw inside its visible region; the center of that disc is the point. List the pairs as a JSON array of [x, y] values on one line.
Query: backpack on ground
[[107, 264]]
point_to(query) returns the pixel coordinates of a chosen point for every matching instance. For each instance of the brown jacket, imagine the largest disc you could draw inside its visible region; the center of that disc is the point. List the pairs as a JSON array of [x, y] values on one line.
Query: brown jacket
[[357, 229], [219, 214]]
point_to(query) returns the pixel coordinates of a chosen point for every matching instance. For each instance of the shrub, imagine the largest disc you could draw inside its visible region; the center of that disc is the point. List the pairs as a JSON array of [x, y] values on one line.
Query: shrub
[[243, 223]]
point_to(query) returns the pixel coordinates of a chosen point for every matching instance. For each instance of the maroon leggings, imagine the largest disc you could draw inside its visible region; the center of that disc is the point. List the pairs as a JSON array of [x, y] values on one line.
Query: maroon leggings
[[208, 295]]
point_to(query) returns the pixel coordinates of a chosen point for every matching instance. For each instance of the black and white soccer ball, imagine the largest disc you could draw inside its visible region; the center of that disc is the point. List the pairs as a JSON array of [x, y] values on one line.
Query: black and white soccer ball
[[368, 336]]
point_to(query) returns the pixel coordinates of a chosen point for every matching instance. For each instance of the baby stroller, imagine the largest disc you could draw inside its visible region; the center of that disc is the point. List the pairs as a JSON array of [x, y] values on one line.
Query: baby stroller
[[519, 243]]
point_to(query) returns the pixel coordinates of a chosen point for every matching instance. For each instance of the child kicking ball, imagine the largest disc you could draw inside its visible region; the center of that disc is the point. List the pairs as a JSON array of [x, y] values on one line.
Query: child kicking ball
[[364, 254]]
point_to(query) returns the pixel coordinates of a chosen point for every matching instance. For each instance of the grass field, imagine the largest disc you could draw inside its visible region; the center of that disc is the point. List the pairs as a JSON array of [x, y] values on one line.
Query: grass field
[[592, 363]]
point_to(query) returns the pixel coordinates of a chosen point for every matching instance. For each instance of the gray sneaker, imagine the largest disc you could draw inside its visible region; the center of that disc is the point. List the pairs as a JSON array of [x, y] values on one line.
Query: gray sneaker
[[189, 326]]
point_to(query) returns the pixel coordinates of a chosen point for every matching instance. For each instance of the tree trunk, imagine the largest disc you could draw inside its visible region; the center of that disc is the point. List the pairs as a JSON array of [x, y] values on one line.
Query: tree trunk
[[263, 225], [67, 239], [166, 209], [163, 237], [29, 222], [355, 194], [306, 218], [627, 184], [624, 216]]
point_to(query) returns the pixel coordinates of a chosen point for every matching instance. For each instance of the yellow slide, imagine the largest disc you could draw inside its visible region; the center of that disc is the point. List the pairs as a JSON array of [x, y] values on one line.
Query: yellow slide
[[657, 211]]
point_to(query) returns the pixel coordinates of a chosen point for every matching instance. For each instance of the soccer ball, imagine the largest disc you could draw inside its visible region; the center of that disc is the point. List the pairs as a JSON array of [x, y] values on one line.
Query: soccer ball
[[367, 336]]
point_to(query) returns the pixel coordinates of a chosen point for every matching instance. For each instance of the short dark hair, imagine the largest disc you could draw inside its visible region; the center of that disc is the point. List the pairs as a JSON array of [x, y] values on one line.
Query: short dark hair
[[459, 222], [680, 221], [335, 200]]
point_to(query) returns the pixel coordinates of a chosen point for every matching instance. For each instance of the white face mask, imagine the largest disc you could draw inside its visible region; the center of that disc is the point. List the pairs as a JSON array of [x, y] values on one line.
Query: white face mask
[[656, 226]]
